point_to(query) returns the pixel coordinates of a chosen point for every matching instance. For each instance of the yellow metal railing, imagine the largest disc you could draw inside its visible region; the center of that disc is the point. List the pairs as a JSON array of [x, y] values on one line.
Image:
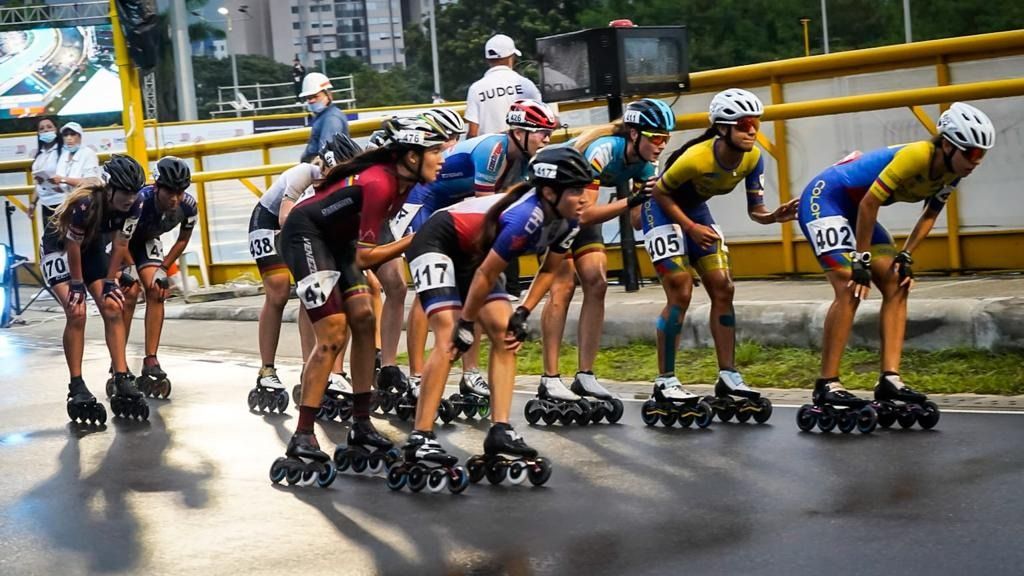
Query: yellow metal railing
[[937, 53]]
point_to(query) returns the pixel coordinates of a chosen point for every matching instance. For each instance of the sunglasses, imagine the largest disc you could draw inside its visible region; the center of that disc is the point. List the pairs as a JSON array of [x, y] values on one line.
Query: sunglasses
[[973, 154], [747, 122], [656, 138]]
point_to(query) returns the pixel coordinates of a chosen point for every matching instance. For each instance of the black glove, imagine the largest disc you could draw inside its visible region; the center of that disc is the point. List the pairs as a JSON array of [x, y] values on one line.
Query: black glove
[[160, 278], [905, 262], [517, 324], [126, 280], [112, 291], [861, 267], [464, 335], [639, 195], [76, 295]]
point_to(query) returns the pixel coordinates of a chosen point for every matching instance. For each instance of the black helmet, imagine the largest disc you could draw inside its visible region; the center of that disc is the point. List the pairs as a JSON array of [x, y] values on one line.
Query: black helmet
[[560, 167], [339, 149], [124, 173], [172, 172]]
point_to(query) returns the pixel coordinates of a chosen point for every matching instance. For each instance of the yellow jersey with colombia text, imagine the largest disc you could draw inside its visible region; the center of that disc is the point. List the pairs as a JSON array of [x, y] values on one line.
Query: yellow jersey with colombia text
[[697, 175]]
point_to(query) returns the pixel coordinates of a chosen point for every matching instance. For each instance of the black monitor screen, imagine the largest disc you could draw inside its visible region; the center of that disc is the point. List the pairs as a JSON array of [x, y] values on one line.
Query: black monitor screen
[[565, 67], [650, 60]]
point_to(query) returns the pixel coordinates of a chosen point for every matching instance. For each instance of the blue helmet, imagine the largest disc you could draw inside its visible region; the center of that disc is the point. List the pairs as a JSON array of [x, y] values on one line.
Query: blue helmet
[[650, 114]]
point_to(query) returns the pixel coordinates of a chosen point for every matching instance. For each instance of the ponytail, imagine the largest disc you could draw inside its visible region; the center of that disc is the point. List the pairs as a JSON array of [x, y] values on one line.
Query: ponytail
[[93, 188], [360, 162], [584, 140], [708, 134], [486, 239]]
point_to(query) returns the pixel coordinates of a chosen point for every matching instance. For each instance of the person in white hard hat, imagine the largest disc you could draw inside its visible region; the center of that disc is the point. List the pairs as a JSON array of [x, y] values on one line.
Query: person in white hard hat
[[490, 97], [328, 120]]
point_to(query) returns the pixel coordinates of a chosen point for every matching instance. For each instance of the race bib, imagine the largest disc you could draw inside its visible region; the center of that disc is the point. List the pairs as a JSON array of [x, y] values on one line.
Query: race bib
[[431, 271], [154, 249], [55, 267], [130, 224], [261, 243], [400, 223], [830, 233], [665, 241], [315, 289]]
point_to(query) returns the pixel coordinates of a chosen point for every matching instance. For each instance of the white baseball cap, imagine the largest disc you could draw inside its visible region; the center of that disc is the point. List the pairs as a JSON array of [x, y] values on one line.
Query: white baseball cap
[[72, 127], [500, 46]]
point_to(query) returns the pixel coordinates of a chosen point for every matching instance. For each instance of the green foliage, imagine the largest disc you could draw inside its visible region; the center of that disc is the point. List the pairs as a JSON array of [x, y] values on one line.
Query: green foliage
[[210, 73]]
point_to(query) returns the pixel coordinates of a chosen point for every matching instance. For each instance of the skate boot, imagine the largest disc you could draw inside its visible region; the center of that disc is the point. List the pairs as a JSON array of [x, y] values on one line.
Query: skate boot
[[304, 463], [474, 396], [127, 401], [153, 382], [556, 403], [897, 402], [425, 464], [337, 400], [366, 450], [746, 404], [82, 405], [833, 405], [604, 405], [502, 440], [670, 403], [269, 394], [110, 381], [405, 407], [391, 384]]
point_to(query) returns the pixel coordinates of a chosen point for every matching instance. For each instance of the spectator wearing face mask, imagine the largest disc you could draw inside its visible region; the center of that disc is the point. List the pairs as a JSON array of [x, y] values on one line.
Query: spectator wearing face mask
[[328, 120]]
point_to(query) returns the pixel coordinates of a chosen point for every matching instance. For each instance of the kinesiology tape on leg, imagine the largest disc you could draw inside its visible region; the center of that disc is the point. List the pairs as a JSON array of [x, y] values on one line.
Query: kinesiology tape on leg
[[670, 327]]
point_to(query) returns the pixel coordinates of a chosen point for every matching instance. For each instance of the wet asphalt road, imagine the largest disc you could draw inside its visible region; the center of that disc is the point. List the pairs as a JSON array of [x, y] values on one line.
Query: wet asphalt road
[[188, 492]]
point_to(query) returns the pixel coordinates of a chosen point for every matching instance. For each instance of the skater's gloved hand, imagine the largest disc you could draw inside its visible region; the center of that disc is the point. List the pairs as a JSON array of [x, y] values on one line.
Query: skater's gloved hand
[[518, 329], [860, 279], [903, 262], [462, 338], [641, 193], [161, 283], [126, 279], [112, 292], [76, 295]]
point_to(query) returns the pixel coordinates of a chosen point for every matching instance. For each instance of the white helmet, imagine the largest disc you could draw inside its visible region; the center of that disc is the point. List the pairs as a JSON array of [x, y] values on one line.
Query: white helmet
[[730, 105], [377, 139], [313, 84], [967, 127], [448, 120]]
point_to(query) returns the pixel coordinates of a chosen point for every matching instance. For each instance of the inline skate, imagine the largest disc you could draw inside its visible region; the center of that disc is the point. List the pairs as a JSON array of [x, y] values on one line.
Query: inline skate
[[425, 464], [127, 401], [603, 404], [405, 407], [474, 396], [896, 402], [269, 394], [832, 406], [670, 403], [366, 450], [82, 405], [492, 464], [337, 400], [391, 385], [746, 404], [556, 403], [110, 381], [304, 464], [153, 382]]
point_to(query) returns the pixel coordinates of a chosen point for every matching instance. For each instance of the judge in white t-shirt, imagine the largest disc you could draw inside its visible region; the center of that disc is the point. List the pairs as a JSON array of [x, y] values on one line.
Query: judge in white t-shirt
[[490, 97]]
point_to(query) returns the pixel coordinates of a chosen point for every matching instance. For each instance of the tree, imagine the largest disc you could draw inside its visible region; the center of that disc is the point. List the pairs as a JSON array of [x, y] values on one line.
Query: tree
[[210, 73]]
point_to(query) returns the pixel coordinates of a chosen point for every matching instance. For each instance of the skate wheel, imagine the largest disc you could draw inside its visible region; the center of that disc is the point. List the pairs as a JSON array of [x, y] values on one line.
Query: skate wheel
[[743, 416], [567, 418], [597, 413], [649, 413], [484, 409], [282, 401], [72, 411], [726, 408], [397, 478], [906, 419], [517, 472], [278, 470], [165, 389], [705, 414], [437, 480], [359, 463], [377, 463], [341, 459], [344, 410], [293, 473], [806, 418], [99, 415], [387, 403], [669, 419], [615, 414], [143, 412], [550, 417], [930, 417], [297, 394], [686, 420], [375, 401], [847, 421], [417, 479], [458, 480], [826, 421], [496, 472], [533, 412], [585, 410], [476, 468], [404, 412], [309, 477], [326, 476], [446, 412], [886, 415], [110, 388], [867, 419], [252, 399], [540, 472], [764, 411]]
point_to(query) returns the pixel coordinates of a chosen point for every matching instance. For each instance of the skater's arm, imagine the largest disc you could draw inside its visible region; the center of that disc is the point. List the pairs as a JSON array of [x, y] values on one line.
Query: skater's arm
[[484, 279], [118, 250], [371, 257], [177, 249], [544, 279], [921, 230], [867, 216]]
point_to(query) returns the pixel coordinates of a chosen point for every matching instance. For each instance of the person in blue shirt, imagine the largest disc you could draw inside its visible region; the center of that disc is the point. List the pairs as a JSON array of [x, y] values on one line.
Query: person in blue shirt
[[328, 120]]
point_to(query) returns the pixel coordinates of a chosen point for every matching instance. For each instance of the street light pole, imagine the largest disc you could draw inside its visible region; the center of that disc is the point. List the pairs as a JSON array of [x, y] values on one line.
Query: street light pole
[[433, 47], [824, 23], [183, 60], [234, 63], [320, 31], [807, 37], [906, 21]]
